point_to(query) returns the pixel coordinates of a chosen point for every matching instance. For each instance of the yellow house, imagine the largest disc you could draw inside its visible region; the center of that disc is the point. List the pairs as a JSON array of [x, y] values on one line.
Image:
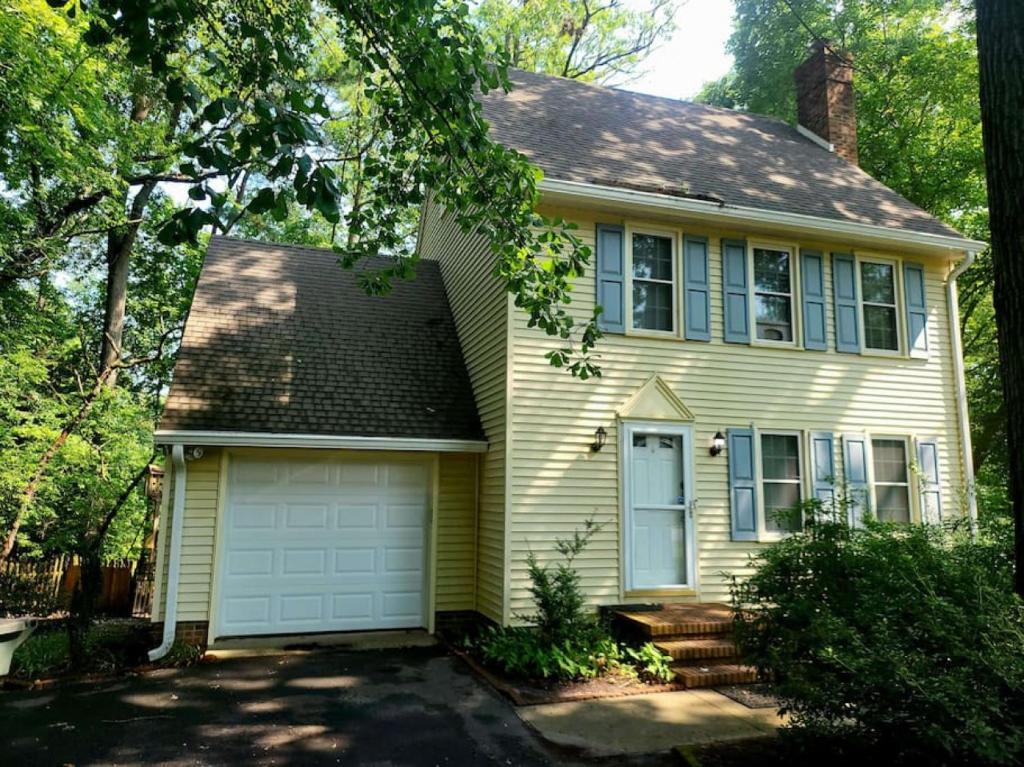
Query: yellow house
[[778, 326]]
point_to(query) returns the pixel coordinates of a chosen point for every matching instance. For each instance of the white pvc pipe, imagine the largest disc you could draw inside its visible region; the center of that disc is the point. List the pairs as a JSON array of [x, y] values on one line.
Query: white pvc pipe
[[174, 564], [961, 387]]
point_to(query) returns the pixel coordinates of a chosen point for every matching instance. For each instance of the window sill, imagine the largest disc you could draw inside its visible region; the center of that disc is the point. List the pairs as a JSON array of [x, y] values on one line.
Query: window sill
[[669, 335], [670, 591]]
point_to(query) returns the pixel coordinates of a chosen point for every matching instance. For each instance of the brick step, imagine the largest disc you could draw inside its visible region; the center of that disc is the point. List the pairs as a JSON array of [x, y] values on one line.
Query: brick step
[[679, 622], [696, 650], [714, 676]]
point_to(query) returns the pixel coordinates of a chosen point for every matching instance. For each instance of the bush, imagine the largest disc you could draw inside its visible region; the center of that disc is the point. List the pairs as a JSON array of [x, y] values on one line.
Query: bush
[[566, 642], [906, 637], [22, 595], [110, 646]]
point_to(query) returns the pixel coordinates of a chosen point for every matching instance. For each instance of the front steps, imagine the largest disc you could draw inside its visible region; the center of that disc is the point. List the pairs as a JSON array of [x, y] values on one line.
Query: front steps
[[698, 637]]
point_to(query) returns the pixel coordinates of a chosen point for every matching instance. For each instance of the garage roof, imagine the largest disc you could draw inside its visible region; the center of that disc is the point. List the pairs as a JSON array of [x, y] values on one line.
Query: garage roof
[[282, 340]]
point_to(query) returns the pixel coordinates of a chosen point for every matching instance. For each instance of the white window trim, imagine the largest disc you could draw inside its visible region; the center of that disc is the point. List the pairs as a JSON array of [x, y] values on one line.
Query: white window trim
[[674, 236], [796, 299], [896, 263], [627, 429], [912, 485], [763, 533]]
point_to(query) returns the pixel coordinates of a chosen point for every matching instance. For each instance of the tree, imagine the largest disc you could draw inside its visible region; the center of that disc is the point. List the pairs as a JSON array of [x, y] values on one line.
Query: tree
[[1001, 59], [917, 108], [580, 39]]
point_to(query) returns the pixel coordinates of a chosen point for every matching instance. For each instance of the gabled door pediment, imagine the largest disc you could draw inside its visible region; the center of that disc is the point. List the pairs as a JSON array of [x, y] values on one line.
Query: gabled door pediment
[[654, 401]]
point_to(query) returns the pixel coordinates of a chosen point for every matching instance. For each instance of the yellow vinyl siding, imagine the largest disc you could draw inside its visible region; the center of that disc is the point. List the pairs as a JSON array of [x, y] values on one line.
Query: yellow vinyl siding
[[479, 306], [202, 480], [456, 533], [557, 483]]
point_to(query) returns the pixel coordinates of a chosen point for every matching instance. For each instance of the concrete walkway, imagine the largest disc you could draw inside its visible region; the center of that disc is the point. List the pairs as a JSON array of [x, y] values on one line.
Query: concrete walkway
[[648, 723]]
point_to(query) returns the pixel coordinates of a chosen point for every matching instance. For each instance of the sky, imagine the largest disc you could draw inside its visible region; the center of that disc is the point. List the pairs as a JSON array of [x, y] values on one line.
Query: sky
[[695, 53]]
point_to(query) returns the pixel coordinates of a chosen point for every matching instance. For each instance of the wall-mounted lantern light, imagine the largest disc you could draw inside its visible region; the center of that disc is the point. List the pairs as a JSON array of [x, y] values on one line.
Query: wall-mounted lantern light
[[717, 444], [599, 439]]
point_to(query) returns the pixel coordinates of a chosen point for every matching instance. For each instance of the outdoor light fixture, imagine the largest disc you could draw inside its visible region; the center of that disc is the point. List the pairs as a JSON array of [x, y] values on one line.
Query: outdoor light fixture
[[717, 444], [599, 438]]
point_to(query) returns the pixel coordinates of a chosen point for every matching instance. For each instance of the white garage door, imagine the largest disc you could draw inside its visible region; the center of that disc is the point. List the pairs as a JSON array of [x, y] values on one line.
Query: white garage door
[[322, 545]]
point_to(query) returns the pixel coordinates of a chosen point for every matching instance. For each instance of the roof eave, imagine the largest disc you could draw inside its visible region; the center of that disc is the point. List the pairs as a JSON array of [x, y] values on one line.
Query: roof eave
[[321, 441], [740, 216]]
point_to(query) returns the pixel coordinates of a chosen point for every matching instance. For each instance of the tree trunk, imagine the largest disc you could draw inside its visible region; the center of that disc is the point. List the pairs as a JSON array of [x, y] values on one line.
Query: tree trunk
[[120, 242], [1001, 68], [83, 606]]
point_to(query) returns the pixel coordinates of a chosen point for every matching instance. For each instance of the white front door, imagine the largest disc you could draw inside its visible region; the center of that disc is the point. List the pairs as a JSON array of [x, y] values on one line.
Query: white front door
[[659, 495], [323, 544]]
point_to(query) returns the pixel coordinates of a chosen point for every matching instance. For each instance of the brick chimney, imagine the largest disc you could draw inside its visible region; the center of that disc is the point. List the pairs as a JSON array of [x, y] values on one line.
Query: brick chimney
[[824, 98]]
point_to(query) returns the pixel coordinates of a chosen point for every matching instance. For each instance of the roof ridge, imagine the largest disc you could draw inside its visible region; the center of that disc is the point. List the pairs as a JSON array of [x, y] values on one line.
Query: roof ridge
[[669, 99]]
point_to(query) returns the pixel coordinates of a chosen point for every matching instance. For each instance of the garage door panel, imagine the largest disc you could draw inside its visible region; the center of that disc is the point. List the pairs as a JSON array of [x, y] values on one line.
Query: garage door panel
[[308, 516], [348, 607], [301, 608], [249, 562], [352, 561], [304, 562], [361, 517], [323, 545], [254, 516]]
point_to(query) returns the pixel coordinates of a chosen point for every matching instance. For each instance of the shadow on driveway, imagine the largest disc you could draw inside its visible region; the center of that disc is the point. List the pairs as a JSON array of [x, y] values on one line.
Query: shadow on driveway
[[415, 706]]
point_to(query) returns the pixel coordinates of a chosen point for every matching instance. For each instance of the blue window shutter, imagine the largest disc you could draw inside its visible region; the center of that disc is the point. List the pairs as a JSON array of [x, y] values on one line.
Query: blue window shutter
[[917, 309], [736, 292], [743, 484], [855, 475], [844, 288], [823, 469], [812, 271], [697, 303], [930, 479], [611, 277]]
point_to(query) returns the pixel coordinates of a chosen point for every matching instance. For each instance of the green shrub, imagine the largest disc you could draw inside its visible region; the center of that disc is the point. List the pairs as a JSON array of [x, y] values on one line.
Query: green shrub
[[905, 637], [562, 615], [566, 641], [22, 595], [183, 654], [44, 654], [651, 664], [110, 646]]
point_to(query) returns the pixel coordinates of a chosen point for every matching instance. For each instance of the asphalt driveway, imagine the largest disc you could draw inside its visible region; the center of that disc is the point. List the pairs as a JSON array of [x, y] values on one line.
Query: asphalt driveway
[[414, 706]]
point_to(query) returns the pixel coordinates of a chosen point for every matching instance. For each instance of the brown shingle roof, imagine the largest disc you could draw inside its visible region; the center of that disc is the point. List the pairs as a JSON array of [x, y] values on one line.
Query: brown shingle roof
[[590, 134], [282, 339]]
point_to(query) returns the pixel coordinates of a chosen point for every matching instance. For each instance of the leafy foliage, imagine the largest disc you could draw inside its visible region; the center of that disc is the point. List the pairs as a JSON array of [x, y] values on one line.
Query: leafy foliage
[[25, 595], [567, 641], [110, 647], [907, 638], [575, 38], [562, 615]]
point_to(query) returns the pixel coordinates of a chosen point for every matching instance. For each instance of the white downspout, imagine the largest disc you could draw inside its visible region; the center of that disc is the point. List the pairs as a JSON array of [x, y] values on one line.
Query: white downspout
[[174, 564], [961, 387]]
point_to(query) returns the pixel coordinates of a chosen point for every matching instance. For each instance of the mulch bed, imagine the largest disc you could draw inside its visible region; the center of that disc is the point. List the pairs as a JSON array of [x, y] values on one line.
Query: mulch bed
[[750, 695], [523, 693]]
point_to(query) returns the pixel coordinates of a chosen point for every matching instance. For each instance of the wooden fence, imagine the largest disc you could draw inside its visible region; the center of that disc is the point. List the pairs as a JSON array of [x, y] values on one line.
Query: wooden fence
[[127, 587]]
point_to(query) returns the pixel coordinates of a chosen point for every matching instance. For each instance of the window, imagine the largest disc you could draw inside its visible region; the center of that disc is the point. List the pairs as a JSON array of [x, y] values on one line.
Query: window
[[892, 482], [781, 483], [773, 294], [878, 287], [653, 276]]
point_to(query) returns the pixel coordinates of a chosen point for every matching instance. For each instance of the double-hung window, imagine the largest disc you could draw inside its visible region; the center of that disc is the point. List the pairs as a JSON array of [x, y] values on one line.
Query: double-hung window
[[781, 482], [773, 294], [878, 306], [653, 259], [891, 479]]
